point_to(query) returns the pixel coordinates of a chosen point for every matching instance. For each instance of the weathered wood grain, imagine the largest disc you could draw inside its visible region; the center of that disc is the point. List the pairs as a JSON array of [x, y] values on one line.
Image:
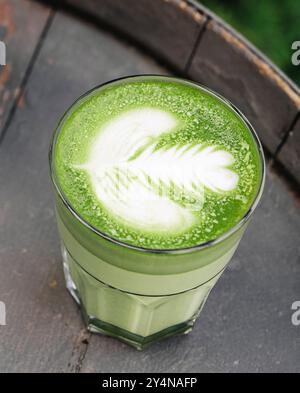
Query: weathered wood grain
[[225, 63], [289, 155], [44, 331], [167, 27], [21, 26], [246, 324]]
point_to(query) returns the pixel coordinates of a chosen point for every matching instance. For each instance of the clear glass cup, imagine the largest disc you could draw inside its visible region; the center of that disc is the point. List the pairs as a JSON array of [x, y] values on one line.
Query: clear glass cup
[[135, 294]]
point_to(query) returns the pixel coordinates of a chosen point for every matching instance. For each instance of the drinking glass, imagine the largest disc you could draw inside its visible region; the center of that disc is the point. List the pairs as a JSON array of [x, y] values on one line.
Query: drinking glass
[[135, 294]]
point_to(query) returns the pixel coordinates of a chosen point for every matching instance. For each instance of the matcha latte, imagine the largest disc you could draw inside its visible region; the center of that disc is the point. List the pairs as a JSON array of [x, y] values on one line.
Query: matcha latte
[[158, 164], [155, 179]]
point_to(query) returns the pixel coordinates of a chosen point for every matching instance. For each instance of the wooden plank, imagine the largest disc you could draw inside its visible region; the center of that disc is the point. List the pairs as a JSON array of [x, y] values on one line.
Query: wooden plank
[[289, 155], [167, 27], [246, 324], [21, 25], [225, 63], [44, 331]]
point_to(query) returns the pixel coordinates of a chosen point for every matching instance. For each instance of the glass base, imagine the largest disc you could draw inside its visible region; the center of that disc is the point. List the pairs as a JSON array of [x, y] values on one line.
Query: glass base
[[96, 325]]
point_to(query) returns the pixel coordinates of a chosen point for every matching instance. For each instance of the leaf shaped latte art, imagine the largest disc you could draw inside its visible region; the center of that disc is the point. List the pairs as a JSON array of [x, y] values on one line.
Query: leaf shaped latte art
[[150, 188]]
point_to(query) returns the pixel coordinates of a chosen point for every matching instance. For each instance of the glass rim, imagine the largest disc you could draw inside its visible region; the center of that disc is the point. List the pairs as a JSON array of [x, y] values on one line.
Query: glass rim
[[115, 241]]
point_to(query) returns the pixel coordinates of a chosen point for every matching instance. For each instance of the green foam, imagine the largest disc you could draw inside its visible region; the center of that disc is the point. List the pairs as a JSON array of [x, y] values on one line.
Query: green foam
[[203, 119]]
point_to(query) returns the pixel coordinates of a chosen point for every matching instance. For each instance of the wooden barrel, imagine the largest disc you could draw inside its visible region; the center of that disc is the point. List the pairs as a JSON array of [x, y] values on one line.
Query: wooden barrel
[[52, 58]]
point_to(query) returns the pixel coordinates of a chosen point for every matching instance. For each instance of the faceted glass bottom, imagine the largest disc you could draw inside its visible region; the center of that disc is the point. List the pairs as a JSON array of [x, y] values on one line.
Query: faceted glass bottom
[[134, 319]]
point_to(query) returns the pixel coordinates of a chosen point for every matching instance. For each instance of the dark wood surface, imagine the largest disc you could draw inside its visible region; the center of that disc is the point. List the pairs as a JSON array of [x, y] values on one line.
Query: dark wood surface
[[21, 26], [246, 324], [289, 154], [169, 28]]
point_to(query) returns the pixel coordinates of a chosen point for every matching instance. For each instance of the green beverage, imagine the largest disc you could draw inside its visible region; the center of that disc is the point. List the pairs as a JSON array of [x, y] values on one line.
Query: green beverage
[[155, 179]]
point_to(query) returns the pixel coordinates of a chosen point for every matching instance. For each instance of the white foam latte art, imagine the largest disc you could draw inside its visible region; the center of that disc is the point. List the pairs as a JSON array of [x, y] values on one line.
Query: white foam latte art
[[154, 189]]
